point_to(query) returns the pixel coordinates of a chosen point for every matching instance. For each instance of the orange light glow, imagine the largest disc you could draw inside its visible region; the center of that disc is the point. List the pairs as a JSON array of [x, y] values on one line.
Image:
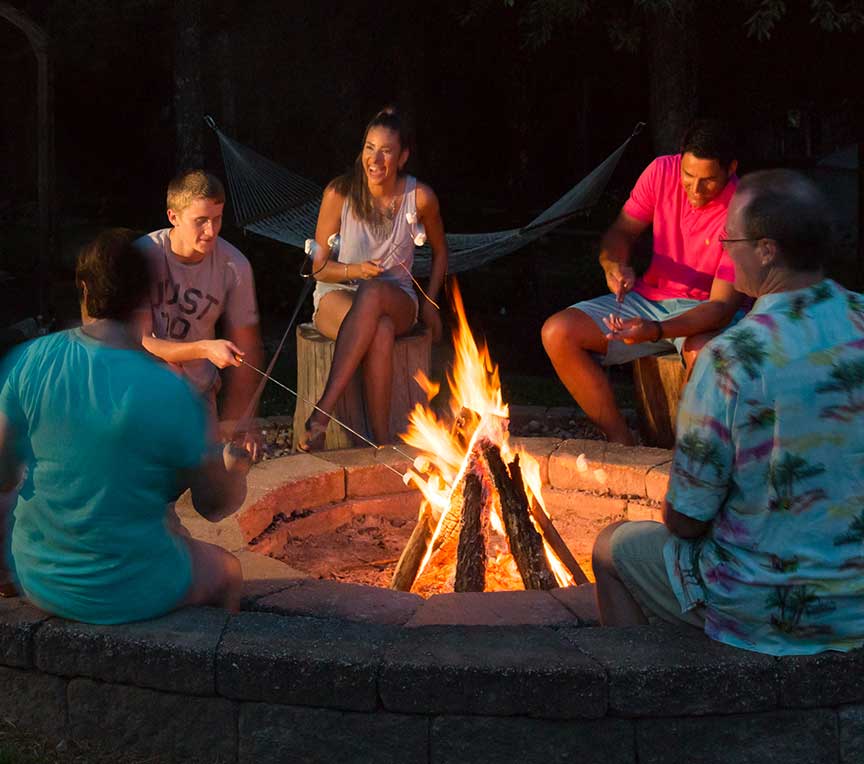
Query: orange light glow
[[477, 412]]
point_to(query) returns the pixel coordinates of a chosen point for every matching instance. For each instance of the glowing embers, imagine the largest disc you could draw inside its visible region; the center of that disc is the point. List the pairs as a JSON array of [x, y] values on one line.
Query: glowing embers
[[482, 523]]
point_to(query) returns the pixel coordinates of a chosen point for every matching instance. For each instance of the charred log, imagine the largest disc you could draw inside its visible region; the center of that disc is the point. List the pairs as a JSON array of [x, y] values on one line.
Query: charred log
[[471, 554], [553, 538], [526, 544]]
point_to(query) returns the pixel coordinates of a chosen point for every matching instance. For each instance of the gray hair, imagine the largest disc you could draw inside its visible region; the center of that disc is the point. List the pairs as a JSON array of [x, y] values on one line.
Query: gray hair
[[787, 207]]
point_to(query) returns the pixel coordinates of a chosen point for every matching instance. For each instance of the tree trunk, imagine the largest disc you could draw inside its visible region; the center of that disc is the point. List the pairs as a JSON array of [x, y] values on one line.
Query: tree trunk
[[225, 44], [46, 174], [188, 86], [673, 41]]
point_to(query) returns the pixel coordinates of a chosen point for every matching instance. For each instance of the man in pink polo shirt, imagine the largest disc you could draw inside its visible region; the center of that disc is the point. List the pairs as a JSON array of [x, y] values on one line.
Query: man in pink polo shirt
[[684, 298]]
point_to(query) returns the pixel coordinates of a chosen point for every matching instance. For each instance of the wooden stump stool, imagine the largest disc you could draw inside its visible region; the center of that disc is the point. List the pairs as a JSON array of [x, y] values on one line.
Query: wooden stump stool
[[658, 381], [314, 357]]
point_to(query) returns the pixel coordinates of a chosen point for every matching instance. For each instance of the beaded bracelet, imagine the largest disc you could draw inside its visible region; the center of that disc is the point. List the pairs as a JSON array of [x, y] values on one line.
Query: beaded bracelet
[[659, 331]]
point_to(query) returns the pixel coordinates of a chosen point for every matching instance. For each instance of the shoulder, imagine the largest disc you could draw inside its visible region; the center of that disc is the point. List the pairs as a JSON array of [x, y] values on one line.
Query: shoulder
[[745, 348], [23, 360], [664, 167], [229, 252], [426, 197], [154, 242], [228, 256], [336, 191]]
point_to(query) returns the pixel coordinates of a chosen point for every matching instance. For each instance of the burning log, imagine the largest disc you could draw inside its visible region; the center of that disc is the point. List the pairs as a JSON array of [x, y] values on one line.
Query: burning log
[[526, 544], [553, 538], [471, 554], [412, 555]]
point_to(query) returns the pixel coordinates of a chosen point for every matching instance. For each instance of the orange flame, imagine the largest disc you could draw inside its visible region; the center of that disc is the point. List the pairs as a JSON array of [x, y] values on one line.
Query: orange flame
[[477, 410]]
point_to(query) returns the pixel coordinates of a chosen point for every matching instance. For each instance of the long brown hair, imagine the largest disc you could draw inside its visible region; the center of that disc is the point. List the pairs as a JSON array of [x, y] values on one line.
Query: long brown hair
[[353, 184]]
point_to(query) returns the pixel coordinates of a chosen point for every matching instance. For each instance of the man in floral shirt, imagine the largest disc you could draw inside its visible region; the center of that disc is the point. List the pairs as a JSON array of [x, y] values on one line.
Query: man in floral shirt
[[763, 537]]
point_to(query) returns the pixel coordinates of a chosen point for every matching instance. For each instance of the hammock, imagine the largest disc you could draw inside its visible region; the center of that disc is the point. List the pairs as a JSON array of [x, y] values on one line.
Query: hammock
[[272, 201]]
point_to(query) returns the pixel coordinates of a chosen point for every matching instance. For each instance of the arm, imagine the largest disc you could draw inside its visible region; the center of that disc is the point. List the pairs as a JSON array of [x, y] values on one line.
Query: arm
[[681, 525], [429, 213], [220, 353], [242, 381], [712, 315], [10, 466], [218, 486], [615, 249], [329, 222]]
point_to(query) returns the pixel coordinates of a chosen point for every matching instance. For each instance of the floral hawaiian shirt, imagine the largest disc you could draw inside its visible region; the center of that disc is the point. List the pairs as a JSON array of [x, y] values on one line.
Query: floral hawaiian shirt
[[770, 449]]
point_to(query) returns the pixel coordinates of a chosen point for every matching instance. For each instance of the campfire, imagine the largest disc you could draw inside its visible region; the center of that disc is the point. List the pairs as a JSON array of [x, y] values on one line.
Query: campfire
[[482, 524]]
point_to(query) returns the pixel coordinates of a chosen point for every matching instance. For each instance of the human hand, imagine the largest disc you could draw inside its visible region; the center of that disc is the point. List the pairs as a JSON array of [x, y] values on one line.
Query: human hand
[[630, 331], [370, 269], [237, 460], [431, 318], [246, 440], [620, 280], [222, 353]]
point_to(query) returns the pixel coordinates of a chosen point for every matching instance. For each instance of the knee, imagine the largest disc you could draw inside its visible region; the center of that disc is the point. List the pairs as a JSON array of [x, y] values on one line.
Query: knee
[[561, 332], [692, 346], [601, 554], [370, 296], [385, 335]]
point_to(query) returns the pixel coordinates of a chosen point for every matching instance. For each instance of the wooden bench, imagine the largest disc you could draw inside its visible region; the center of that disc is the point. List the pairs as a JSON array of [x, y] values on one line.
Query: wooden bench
[[658, 381], [314, 357]]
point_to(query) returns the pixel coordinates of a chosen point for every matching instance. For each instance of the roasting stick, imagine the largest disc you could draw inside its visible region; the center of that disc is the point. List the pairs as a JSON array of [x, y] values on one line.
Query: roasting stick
[[338, 421]]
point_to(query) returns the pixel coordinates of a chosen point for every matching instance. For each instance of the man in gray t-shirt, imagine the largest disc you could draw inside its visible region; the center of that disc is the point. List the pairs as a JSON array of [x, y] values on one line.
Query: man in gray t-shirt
[[201, 280]]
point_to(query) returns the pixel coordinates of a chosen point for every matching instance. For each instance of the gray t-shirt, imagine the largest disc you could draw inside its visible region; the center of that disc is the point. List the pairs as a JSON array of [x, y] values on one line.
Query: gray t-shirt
[[189, 298]]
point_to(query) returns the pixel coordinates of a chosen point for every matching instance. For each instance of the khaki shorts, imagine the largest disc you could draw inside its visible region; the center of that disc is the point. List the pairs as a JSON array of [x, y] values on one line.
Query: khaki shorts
[[637, 553]]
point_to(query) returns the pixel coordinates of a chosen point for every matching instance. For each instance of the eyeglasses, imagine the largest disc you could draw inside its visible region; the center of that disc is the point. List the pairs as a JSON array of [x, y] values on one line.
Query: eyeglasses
[[726, 242]]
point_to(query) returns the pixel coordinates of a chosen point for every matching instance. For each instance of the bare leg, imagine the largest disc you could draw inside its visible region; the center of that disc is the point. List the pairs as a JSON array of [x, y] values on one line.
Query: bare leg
[[614, 601], [378, 378], [217, 577], [569, 337], [374, 300]]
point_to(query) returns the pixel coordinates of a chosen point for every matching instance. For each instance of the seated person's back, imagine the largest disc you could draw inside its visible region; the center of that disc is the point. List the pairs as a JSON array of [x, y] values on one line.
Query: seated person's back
[[105, 436]]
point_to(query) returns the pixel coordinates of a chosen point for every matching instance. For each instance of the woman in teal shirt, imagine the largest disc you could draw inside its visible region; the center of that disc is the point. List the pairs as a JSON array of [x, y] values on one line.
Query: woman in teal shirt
[[105, 436]]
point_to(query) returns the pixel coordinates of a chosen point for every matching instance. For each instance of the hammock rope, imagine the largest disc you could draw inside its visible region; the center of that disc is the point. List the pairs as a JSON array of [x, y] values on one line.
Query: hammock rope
[[272, 201]]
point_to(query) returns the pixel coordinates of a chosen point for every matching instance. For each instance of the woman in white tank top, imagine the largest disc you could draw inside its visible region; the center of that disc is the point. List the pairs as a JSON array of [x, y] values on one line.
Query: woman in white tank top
[[364, 297]]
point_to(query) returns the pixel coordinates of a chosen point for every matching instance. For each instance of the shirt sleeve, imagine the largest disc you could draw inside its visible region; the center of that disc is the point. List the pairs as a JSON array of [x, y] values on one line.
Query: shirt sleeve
[[725, 269], [704, 453], [241, 307], [643, 197], [10, 405]]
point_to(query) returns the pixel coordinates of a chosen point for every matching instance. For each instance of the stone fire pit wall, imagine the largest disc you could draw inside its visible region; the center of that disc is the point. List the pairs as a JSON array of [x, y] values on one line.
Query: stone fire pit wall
[[203, 685]]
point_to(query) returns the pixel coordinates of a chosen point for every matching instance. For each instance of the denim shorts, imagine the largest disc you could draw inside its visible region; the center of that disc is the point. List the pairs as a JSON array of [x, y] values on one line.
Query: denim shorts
[[635, 306]]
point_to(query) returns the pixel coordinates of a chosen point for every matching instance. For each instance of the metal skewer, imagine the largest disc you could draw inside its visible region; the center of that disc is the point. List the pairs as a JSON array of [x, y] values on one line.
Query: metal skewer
[[342, 424]]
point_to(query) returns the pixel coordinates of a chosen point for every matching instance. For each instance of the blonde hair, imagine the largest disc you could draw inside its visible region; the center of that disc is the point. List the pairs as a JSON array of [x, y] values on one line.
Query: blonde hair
[[191, 185]]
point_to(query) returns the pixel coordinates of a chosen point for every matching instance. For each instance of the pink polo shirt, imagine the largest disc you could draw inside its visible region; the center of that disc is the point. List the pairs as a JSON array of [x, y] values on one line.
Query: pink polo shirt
[[687, 252]]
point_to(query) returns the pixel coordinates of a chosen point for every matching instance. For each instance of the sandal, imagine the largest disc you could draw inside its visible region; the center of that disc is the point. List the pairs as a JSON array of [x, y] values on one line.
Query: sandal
[[313, 437]]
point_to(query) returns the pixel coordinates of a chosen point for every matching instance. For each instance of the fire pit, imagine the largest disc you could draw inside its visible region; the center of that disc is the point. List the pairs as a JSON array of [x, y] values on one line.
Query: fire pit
[[466, 511]]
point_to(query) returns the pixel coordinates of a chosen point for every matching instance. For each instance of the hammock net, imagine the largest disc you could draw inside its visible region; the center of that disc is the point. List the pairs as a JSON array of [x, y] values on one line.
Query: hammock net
[[272, 201]]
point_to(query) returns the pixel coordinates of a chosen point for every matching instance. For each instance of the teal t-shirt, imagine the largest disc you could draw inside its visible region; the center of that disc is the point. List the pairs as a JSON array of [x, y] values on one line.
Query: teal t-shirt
[[103, 433]]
